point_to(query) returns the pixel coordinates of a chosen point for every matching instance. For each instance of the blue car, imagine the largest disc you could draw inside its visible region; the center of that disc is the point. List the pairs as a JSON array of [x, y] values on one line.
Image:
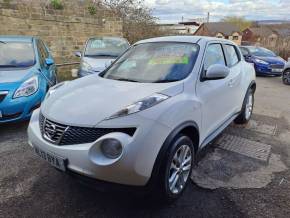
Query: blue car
[[27, 70], [266, 62]]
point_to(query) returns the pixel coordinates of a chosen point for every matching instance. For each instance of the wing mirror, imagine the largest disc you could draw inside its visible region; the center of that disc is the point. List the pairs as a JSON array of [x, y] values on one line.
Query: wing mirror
[[49, 61], [78, 54], [217, 71]]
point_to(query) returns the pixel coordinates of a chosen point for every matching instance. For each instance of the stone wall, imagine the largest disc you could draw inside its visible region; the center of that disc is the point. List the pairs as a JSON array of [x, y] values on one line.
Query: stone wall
[[64, 31]]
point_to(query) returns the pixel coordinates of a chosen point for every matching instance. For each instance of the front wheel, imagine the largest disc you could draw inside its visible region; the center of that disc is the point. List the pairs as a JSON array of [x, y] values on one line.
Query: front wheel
[[247, 109], [177, 167], [286, 77]]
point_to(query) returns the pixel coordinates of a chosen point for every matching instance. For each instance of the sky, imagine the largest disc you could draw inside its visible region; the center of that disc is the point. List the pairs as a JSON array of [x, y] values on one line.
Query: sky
[[169, 11]]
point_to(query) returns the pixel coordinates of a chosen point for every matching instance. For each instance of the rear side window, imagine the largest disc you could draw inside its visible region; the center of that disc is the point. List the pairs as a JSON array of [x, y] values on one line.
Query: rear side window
[[231, 55], [214, 55]]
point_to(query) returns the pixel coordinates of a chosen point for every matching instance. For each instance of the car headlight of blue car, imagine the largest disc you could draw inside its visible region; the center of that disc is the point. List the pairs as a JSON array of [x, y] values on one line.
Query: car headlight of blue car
[[27, 88], [259, 61]]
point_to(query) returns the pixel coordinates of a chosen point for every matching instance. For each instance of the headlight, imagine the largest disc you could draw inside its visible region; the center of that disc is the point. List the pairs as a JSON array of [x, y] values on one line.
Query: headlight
[[53, 89], [86, 67], [261, 61], [141, 105], [29, 87]]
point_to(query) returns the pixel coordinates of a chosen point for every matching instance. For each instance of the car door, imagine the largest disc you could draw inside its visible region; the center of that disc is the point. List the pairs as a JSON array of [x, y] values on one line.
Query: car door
[[214, 95], [47, 71], [233, 60]]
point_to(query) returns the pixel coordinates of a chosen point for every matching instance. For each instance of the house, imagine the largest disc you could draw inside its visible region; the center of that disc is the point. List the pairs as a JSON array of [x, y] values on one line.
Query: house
[[255, 35], [184, 28], [220, 30], [268, 35]]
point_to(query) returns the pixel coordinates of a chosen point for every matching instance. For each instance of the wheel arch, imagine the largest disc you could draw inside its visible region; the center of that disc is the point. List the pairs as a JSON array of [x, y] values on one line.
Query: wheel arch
[[188, 128], [253, 86], [287, 68]]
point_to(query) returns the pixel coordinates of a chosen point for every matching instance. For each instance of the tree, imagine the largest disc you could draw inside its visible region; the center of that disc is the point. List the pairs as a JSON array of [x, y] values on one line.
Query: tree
[[241, 22], [138, 22]]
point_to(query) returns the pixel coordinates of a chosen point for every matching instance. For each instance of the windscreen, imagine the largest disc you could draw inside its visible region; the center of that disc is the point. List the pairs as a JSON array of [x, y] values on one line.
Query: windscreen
[[16, 54], [106, 47], [155, 62], [262, 52]]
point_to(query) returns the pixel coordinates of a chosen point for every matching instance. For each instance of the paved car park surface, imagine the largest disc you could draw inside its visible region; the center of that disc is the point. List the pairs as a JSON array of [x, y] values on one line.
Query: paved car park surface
[[227, 182]]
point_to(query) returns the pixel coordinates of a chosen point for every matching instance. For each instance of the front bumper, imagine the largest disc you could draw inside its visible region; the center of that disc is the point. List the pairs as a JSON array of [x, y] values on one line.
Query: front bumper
[[135, 165], [268, 70], [19, 109]]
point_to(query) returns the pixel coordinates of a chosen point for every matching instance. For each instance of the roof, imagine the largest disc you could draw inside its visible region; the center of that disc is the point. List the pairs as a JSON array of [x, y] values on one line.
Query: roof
[[189, 23], [188, 39], [263, 31], [226, 29], [16, 38], [281, 29]]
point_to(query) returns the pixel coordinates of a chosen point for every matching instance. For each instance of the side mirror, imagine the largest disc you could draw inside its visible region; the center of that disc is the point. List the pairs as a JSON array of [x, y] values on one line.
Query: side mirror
[[217, 71], [49, 61], [78, 54]]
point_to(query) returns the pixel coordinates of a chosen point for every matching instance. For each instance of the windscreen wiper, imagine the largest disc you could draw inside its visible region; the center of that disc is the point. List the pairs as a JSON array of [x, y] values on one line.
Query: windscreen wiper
[[6, 66], [101, 55], [3, 42], [167, 81], [127, 80]]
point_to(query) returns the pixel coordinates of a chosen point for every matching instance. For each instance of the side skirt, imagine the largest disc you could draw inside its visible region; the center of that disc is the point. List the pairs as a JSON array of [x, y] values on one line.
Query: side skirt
[[213, 135]]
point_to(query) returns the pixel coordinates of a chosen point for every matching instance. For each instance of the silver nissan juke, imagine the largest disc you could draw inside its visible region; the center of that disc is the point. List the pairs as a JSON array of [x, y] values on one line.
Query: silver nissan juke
[[143, 120]]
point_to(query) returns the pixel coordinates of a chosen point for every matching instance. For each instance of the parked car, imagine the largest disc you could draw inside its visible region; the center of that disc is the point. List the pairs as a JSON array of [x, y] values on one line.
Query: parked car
[[286, 73], [143, 120], [27, 70], [266, 62], [99, 53]]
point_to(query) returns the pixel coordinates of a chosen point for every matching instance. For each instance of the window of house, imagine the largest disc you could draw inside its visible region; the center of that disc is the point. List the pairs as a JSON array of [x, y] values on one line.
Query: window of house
[[235, 37], [232, 56], [214, 55]]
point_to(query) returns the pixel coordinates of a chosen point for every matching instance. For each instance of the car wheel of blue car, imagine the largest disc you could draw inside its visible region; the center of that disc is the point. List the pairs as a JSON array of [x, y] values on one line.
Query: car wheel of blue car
[[286, 77]]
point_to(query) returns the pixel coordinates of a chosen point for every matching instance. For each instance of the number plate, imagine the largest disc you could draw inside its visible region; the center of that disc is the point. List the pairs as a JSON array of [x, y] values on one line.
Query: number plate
[[54, 160], [277, 70]]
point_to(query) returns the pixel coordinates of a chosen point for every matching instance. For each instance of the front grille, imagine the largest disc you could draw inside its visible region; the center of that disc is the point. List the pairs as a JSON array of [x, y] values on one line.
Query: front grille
[[277, 66], [10, 116], [3, 95], [51, 131], [70, 135]]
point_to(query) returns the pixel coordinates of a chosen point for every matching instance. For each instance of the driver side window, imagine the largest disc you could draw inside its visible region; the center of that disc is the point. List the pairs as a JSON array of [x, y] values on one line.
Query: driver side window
[[214, 55]]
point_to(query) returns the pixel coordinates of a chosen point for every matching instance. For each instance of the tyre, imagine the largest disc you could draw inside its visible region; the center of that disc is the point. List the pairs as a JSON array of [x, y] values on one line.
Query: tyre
[[176, 169], [286, 77], [247, 109]]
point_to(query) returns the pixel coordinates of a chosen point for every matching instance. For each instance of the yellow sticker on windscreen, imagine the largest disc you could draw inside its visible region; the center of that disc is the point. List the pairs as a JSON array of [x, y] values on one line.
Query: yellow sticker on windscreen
[[169, 60]]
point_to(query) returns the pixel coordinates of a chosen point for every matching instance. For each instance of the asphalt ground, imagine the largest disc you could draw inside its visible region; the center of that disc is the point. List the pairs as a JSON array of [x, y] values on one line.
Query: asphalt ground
[[30, 187]]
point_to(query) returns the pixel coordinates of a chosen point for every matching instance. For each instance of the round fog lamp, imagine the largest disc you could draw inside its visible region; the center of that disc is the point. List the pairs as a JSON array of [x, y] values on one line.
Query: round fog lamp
[[111, 148]]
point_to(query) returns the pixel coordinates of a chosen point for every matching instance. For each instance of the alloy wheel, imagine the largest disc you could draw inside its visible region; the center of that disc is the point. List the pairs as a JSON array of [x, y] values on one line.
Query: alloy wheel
[[180, 169], [286, 77], [249, 106]]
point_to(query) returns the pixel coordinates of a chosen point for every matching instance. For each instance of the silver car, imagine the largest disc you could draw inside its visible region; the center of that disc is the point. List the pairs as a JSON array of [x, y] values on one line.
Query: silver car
[[99, 53], [143, 120], [286, 73]]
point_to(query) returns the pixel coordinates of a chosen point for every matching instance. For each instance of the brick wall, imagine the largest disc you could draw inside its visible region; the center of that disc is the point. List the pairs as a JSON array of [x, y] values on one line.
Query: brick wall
[[65, 31]]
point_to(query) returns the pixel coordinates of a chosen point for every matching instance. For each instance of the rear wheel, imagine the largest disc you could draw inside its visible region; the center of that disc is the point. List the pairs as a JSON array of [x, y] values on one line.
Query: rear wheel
[[286, 77], [247, 109], [177, 167]]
